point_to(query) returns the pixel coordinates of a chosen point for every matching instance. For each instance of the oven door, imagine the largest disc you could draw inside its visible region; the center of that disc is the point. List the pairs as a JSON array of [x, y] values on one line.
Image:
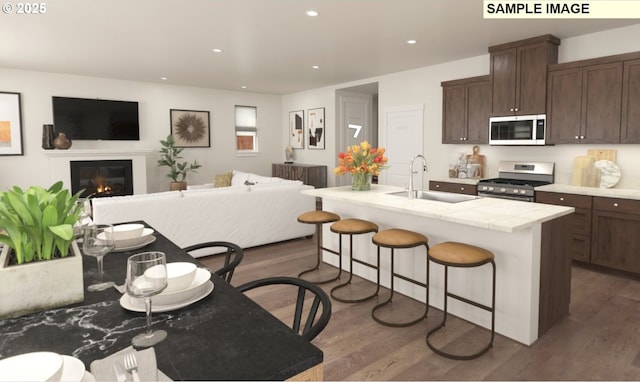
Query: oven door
[[524, 130]]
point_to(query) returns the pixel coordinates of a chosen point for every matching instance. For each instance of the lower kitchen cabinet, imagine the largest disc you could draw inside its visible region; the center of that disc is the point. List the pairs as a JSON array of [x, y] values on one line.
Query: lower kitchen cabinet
[[580, 221], [458, 188], [616, 242]]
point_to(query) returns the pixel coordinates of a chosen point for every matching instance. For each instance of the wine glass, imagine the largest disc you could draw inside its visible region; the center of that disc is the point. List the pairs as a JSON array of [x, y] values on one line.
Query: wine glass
[[146, 277], [97, 241]]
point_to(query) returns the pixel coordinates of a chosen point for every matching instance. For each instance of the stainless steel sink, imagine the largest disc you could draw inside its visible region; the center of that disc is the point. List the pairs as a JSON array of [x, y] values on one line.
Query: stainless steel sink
[[439, 196]]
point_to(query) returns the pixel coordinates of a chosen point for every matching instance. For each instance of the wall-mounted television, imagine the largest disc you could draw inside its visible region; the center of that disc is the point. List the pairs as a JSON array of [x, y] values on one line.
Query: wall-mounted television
[[96, 119]]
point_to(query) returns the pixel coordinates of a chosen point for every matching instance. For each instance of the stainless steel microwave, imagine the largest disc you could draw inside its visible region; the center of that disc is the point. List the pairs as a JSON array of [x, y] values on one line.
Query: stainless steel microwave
[[522, 130]]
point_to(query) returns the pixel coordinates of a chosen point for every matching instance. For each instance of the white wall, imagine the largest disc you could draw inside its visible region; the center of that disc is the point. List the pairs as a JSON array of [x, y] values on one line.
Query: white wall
[[155, 101], [422, 86]]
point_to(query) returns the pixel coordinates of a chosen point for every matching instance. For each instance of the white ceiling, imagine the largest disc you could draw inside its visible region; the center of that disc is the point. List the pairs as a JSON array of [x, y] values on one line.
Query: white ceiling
[[269, 45]]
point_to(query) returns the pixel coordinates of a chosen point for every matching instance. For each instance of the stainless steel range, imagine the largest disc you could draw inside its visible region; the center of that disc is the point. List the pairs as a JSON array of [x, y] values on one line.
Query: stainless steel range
[[517, 180]]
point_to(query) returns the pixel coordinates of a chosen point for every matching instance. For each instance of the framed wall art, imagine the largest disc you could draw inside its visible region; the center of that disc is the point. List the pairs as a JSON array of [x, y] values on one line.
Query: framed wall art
[[10, 124], [315, 122], [190, 128], [296, 129]]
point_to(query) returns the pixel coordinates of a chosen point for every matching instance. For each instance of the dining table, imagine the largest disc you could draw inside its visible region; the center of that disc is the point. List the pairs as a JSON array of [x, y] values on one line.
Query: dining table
[[223, 336]]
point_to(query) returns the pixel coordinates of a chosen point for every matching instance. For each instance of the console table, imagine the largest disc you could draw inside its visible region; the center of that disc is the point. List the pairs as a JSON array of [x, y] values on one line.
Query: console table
[[225, 336], [313, 175]]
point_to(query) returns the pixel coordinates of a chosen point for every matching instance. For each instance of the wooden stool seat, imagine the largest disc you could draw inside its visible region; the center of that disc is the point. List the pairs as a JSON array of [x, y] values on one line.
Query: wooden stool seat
[[399, 238], [353, 227], [453, 254], [396, 238], [319, 217], [460, 254]]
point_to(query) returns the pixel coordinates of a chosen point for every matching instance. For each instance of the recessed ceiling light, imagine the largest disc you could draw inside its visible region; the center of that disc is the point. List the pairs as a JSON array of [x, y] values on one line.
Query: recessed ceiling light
[[315, 67], [244, 86], [411, 42], [217, 50], [312, 13], [163, 78]]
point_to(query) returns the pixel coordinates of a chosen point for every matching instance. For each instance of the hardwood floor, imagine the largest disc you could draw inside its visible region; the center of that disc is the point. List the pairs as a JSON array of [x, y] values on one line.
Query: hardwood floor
[[599, 341]]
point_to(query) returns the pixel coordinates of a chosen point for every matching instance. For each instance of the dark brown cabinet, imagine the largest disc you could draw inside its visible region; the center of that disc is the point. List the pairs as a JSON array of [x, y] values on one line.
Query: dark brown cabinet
[[458, 188], [580, 222], [313, 175], [615, 239], [630, 121], [584, 104], [519, 73], [466, 106]]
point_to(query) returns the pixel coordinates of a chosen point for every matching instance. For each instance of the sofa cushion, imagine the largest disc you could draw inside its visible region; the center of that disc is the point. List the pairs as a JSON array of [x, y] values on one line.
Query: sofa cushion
[[223, 180]]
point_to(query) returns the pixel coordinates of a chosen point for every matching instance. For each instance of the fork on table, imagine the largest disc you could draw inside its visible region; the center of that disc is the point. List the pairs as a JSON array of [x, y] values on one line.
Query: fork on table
[[131, 365]]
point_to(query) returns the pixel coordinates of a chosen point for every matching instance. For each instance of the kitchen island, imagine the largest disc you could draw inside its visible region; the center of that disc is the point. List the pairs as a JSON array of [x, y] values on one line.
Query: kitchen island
[[533, 265]]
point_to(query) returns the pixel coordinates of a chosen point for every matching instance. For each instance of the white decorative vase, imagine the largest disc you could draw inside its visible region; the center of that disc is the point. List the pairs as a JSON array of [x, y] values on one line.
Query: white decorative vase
[[40, 285]]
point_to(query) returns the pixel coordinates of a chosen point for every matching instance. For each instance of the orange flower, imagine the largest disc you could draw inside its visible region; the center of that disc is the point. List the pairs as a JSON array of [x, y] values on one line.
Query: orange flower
[[361, 158]]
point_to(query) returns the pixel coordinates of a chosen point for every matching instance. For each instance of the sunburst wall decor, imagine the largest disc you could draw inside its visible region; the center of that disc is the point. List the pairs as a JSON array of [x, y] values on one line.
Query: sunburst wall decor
[[190, 128]]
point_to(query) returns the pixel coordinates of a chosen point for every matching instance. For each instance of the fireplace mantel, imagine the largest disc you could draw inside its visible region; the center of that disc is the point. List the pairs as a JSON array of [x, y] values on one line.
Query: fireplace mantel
[[96, 152], [60, 169]]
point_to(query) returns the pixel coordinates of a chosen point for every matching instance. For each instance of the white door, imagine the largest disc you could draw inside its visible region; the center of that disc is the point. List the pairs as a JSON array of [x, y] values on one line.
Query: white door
[[403, 139], [355, 125]]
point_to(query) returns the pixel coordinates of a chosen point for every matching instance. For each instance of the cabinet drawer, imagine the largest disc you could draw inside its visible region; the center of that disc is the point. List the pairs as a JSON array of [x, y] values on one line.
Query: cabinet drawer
[[560, 199], [629, 206], [459, 188]]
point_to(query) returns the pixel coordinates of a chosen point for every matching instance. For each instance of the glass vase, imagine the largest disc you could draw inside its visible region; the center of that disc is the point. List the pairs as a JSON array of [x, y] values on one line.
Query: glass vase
[[361, 182]]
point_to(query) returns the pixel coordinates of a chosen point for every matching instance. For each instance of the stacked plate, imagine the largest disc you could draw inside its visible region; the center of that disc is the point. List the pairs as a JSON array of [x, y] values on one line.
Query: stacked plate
[[131, 236], [50, 367], [175, 296]]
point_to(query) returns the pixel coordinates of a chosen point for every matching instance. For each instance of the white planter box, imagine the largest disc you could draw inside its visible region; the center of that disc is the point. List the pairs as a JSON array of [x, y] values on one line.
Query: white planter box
[[41, 285]]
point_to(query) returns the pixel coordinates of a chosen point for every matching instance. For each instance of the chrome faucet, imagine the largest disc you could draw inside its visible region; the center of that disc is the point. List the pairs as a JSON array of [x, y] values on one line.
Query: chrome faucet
[[411, 172]]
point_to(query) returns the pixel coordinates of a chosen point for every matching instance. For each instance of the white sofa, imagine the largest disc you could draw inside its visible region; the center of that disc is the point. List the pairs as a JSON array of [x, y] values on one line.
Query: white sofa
[[263, 211]]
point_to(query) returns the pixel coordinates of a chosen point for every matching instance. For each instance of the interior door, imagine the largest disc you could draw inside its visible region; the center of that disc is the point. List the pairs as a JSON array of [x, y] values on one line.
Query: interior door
[[356, 114], [403, 139]]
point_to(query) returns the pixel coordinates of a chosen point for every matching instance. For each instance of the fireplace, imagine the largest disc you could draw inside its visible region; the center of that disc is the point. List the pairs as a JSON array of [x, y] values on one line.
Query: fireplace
[[102, 177]]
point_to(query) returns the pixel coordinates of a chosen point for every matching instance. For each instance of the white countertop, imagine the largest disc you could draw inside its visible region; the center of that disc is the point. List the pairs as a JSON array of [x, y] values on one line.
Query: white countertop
[[628, 193], [491, 213]]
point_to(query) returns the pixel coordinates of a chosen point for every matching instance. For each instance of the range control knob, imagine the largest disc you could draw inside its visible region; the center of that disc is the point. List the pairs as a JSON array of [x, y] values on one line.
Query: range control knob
[[491, 188], [516, 191], [503, 190], [523, 192]]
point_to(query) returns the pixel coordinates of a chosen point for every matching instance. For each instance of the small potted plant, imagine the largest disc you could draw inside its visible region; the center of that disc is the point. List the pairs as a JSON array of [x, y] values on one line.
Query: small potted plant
[[169, 155], [39, 250]]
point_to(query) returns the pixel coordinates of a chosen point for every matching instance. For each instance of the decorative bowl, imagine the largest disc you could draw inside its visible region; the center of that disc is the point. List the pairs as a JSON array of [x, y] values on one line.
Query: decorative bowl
[[21, 367], [179, 276], [167, 298], [126, 231]]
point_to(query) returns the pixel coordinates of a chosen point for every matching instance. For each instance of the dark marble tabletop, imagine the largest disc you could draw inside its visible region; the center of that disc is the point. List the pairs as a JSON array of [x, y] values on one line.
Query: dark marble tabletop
[[225, 336]]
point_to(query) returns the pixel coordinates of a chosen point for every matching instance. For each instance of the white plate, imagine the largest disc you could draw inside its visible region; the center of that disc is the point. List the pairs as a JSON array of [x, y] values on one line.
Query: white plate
[[21, 367], [73, 369], [139, 245], [125, 302], [146, 233]]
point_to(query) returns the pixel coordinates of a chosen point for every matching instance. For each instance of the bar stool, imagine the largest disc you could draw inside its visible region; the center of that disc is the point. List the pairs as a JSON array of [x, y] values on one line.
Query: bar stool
[[452, 254], [395, 238], [353, 227], [319, 217]]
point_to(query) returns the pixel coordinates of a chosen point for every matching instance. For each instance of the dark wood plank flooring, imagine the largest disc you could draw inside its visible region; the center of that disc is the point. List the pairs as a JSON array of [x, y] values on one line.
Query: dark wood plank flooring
[[599, 341]]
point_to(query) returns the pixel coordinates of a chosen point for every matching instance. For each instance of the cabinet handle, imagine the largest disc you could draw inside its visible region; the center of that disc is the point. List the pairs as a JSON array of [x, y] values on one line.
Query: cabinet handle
[[461, 188], [582, 137], [516, 109], [615, 204], [577, 137], [437, 186], [511, 109], [562, 199], [462, 139]]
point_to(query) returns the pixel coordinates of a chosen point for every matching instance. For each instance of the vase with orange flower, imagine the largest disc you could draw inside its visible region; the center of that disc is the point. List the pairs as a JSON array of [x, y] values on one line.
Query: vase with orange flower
[[361, 161]]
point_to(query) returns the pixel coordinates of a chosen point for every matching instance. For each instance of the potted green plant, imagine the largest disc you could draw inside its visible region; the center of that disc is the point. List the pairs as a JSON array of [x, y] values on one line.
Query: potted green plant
[[169, 156], [39, 249]]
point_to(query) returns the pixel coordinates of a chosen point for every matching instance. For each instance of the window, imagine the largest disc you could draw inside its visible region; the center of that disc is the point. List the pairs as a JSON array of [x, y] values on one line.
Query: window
[[246, 129]]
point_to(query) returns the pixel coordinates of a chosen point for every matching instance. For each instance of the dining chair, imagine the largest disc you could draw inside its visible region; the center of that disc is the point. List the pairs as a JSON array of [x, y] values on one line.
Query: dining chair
[[313, 324], [232, 252]]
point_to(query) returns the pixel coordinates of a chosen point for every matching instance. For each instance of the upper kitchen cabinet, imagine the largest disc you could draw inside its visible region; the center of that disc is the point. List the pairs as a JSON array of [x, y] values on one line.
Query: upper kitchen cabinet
[[594, 101], [466, 105], [519, 74], [630, 123]]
